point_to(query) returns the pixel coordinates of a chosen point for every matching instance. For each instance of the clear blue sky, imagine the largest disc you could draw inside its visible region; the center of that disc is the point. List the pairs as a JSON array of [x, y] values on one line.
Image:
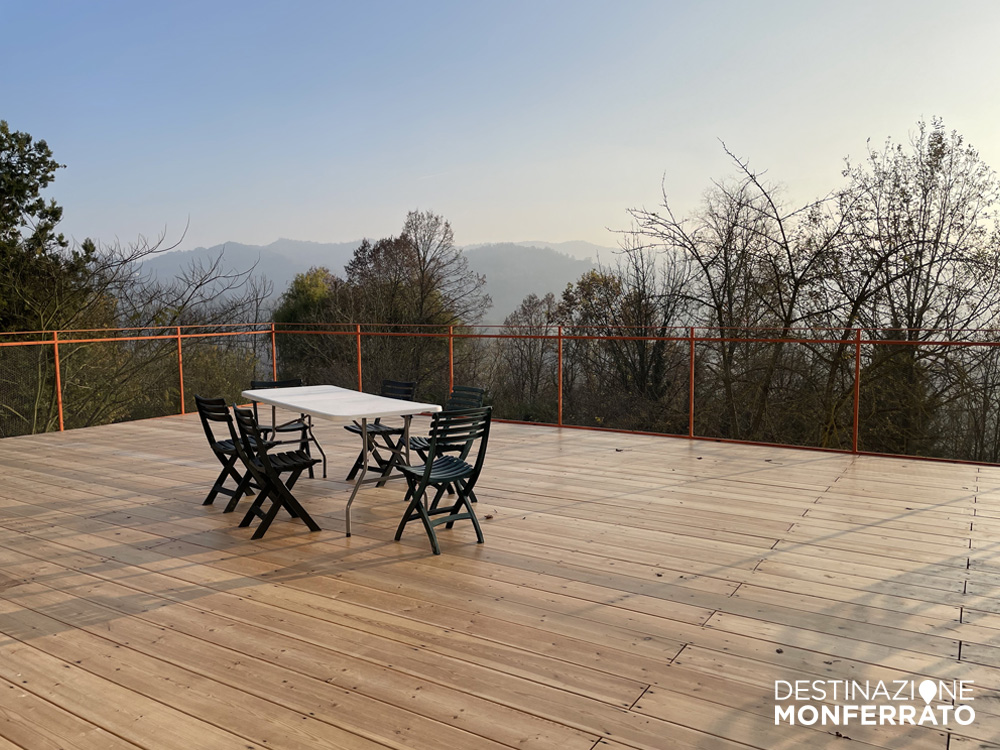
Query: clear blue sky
[[538, 120]]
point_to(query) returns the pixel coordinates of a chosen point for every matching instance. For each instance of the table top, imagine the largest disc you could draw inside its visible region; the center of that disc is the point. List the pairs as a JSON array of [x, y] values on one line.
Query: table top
[[337, 404]]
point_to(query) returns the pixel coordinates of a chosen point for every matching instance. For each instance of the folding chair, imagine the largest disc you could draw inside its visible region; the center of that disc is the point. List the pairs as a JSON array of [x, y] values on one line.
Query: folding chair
[[391, 436], [301, 425], [266, 469], [215, 410], [451, 432], [461, 397]]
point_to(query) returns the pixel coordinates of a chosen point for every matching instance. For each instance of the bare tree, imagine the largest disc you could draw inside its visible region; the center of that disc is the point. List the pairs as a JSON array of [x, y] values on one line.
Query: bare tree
[[448, 291], [105, 288], [759, 270], [923, 264], [523, 374]]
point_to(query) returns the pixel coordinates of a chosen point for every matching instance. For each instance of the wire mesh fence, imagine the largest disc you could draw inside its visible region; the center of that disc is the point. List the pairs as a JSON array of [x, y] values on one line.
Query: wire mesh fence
[[929, 394]]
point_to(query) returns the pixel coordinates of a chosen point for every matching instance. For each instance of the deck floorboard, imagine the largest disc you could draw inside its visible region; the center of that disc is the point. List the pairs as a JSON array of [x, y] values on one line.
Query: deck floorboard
[[633, 593]]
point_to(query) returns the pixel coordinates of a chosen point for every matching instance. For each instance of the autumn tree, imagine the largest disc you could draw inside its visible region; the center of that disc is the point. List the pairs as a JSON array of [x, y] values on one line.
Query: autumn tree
[[758, 269], [923, 264], [47, 284], [418, 278], [524, 368], [634, 305]]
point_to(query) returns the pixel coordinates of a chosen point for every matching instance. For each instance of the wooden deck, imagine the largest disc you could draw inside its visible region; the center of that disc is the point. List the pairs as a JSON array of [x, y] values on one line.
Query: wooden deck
[[633, 592]]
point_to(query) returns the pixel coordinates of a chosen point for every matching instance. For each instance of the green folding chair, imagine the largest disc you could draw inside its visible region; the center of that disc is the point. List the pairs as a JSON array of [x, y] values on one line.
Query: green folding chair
[[454, 436]]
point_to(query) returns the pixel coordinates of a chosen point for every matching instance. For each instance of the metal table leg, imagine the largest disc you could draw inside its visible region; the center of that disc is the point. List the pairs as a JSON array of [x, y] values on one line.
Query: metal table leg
[[365, 449], [361, 475]]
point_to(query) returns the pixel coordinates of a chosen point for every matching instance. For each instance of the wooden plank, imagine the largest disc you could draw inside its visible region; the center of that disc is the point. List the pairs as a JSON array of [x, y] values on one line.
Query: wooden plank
[[120, 711], [363, 633], [242, 700], [27, 721], [689, 583]]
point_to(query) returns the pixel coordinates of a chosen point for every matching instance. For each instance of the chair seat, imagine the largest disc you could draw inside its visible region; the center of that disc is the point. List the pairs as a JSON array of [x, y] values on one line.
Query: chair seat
[[444, 469], [297, 426], [290, 461], [420, 444], [227, 446], [375, 429]]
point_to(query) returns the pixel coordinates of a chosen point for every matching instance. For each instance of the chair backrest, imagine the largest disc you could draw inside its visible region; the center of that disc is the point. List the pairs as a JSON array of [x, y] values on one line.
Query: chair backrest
[[458, 431], [250, 444], [260, 384], [213, 410], [402, 390], [465, 397], [287, 383]]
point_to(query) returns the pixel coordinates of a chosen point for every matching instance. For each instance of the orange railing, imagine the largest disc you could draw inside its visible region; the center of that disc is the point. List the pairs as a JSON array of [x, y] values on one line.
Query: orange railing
[[122, 335], [850, 343]]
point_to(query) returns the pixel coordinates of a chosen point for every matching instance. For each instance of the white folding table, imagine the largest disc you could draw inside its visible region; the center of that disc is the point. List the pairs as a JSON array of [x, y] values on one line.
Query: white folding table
[[344, 405]]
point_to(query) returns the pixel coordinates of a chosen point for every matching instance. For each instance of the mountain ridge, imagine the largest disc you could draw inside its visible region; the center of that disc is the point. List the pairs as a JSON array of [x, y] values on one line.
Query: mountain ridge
[[512, 269]]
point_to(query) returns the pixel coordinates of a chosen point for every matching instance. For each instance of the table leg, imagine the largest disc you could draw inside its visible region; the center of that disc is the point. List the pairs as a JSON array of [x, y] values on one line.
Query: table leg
[[361, 474], [406, 438]]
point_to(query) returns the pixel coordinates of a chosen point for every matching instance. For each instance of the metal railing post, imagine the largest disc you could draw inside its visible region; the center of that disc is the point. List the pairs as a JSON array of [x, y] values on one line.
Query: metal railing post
[[559, 376], [180, 367], [857, 389], [59, 399], [360, 388], [274, 353], [691, 382], [451, 358]]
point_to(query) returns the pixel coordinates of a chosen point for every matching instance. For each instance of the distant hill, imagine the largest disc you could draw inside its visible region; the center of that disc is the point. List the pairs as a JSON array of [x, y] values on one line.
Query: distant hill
[[512, 270], [576, 249], [278, 262]]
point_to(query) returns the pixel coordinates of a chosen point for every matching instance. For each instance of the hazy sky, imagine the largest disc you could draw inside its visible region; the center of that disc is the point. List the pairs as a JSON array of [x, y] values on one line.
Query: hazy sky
[[537, 120]]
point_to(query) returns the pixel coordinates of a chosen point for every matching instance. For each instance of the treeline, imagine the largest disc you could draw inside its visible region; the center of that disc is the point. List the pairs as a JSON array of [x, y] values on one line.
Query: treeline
[[47, 284], [903, 254], [904, 251]]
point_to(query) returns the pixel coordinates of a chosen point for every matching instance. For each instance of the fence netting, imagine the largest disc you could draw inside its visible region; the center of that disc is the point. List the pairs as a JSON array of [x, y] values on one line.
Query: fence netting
[[27, 390], [919, 393]]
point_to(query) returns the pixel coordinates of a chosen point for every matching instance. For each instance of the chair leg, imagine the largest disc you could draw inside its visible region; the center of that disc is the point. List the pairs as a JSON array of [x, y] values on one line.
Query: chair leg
[[454, 515], [293, 478], [228, 470], [256, 509], [288, 485], [241, 489], [359, 462], [280, 496], [414, 511], [355, 469], [304, 447], [437, 498], [395, 457], [312, 438], [266, 518], [295, 508]]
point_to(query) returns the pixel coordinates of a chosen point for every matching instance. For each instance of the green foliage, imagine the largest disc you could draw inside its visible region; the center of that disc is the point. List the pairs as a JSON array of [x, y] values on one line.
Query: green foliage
[[43, 284], [523, 374], [320, 299], [416, 278], [27, 168], [47, 285]]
